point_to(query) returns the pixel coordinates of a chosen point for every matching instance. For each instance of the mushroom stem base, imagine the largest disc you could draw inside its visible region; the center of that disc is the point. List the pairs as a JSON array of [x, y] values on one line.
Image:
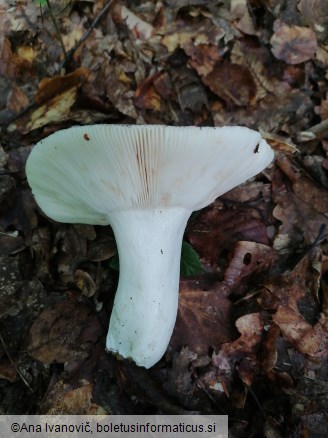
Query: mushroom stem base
[[146, 301]]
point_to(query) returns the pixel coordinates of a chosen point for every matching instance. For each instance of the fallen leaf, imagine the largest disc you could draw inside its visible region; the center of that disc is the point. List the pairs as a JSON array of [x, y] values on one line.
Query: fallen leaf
[[297, 289], [307, 339], [301, 215], [179, 383], [305, 188], [49, 88], [7, 370], [270, 358], [163, 85], [293, 44], [233, 83], [204, 316], [240, 14], [62, 399], [241, 355], [313, 13], [140, 28], [19, 212], [279, 143], [203, 57], [309, 403], [85, 283], [55, 334], [249, 259], [17, 99], [120, 94], [146, 96], [215, 231]]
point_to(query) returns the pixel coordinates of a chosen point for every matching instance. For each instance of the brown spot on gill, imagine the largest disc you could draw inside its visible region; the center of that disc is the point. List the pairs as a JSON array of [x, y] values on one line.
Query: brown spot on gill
[[142, 166], [86, 137]]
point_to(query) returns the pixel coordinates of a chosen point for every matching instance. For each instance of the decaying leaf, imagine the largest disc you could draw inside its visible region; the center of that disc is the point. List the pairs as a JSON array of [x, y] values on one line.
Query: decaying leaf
[[55, 97], [249, 259], [64, 399], [233, 83], [146, 96], [293, 44], [203, 57], [55, 335], [204, 316], [243, 352], [307, 339], [52, 87], [215, 231]]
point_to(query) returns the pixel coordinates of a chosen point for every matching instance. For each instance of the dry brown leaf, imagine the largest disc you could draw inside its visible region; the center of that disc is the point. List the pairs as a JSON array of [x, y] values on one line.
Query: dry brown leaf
[[240, 14], [119, 93], [270, 357], [215, 231], [204, 317], [55, 334], [304, 187], [101, 248], [294, 287], [163, 85], [7, 66], [242, 353], [146, 96], [293, 44], [307, 339], [18, 100], [279, 143], [56, 96], [7, 370], [203, 57], [301, 210], [85, 283], [233, 83], [62, 399], [249, 258], [49, 88], [140, 28], [314, 14]]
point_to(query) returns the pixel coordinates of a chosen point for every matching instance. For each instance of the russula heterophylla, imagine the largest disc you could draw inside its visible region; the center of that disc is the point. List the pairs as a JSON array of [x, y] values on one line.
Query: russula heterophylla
[[144, 181]]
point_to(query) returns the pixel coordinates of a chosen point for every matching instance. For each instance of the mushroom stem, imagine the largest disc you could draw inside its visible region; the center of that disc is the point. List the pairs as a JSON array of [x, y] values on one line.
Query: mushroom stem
[[146, 301]]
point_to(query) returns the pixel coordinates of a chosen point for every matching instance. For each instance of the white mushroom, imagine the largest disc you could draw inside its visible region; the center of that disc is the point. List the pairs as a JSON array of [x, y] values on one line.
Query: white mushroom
[[144, 181]]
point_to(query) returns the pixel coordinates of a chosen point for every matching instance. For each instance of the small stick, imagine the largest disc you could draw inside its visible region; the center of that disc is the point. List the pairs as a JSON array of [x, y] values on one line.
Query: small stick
[[70, 53], [54, 21], [14, 365]]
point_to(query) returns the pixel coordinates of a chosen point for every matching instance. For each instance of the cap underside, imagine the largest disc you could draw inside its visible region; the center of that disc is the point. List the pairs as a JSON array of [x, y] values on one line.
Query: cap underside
[[82, 174]]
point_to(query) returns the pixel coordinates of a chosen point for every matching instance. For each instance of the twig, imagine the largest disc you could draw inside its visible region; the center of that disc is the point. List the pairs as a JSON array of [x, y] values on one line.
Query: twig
[[18, 115], [14, 365], [70, 53], [316, 132], [54, 21]]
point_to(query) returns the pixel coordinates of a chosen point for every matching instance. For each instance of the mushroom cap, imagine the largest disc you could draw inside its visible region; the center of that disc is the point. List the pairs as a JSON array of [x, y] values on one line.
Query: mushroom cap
[[82, 174]]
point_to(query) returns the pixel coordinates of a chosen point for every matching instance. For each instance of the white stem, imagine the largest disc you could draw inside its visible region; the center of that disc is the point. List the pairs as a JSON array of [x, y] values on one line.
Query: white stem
[[146, 301]]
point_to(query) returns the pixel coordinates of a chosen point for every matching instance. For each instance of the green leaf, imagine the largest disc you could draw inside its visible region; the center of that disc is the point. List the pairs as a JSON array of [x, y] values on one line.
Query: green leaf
[[115, 262], [190, 263]]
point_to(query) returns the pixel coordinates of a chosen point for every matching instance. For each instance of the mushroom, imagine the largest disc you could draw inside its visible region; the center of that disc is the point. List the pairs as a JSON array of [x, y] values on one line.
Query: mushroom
[[144, 181]]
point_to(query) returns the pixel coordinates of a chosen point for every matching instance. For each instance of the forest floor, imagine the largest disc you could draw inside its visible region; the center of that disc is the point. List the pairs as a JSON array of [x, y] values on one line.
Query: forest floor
[[251, 339]]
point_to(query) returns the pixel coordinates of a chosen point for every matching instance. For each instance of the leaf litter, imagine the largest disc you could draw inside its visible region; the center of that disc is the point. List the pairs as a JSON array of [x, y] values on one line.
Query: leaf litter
[[251, 335]]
